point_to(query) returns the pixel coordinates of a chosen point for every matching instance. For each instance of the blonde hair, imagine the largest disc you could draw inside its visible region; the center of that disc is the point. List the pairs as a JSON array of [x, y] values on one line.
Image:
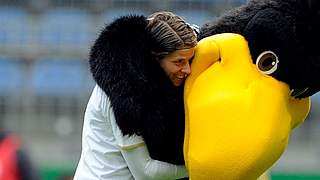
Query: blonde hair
[[170, 32]]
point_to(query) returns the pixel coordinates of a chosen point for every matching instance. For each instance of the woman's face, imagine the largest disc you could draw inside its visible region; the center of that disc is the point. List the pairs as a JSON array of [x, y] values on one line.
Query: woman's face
[[177, 65]]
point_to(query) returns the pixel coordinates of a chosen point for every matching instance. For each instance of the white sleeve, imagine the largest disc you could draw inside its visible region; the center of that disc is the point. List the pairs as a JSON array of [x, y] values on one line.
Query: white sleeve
[[139, 162], [98, 141], [101, 157], [143, 167]]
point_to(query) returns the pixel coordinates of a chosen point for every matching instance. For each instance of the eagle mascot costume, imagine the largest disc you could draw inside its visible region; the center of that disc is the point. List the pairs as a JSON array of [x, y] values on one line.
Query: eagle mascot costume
[[252, 75]]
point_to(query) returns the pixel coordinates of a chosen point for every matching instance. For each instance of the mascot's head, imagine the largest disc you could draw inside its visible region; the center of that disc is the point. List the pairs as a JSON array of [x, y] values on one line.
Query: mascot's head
[[252, 74]]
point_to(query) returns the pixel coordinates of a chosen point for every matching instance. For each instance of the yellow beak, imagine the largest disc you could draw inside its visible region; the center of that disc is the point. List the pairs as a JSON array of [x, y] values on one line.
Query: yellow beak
[[238, 120]]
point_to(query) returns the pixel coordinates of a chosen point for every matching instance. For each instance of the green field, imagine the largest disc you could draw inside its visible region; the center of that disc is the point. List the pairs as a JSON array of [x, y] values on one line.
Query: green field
[[62, 172]]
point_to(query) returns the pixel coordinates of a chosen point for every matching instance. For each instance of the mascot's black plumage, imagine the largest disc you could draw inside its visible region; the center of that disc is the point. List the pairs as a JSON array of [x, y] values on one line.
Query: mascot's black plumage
[[253, 72], [290, 28], [144, 100]]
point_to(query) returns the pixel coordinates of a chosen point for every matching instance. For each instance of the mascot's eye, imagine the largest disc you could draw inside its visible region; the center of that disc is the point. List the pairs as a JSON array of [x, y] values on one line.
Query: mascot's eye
[[267, 62]]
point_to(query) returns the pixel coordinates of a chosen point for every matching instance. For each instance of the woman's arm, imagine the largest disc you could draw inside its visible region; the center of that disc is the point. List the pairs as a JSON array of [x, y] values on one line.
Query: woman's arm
[[140, 164], [143, 167], [135, 153]]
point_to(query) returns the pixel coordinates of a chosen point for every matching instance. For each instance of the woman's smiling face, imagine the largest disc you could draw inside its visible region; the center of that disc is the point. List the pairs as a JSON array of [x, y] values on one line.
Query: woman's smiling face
[[177, 65]]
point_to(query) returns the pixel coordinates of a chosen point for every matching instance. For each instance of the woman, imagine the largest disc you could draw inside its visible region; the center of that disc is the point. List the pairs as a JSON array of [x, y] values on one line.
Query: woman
[[134, 121]]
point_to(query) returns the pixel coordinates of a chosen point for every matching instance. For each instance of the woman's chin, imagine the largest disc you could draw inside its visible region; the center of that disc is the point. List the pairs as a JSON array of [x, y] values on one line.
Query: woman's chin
[[177, 82]]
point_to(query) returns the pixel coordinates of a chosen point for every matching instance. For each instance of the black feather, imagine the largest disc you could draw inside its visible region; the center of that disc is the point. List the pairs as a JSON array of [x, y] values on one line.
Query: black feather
[[144, 100], [290, 28]]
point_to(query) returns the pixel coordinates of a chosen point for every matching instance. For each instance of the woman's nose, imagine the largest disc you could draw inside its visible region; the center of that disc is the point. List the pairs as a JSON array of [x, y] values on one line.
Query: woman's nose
[[186, 68]]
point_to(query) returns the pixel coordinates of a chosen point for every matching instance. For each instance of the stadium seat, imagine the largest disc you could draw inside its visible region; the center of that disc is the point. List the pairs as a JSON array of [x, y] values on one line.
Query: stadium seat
[[195, 16], [316, 98], [237, 2], [54, 77], [110, 14], [11, 76], [14, 27], [207, 2], [66, 27]]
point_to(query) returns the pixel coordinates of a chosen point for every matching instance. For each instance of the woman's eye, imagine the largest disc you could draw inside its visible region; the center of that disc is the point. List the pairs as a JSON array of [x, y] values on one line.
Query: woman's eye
[[267, 62], [179, 62]]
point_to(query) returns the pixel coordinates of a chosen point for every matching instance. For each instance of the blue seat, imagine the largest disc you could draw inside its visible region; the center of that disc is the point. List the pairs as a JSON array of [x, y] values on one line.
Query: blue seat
[[316, 98], [111, 14], [58, 77], [63, 27], [11, 76], [194, 1], [198, 17], [14, 27], [237, 2]]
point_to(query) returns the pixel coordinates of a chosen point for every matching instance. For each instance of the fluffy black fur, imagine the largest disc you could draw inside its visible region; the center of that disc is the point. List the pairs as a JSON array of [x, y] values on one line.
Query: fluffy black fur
[[290, 28], [144, 100]]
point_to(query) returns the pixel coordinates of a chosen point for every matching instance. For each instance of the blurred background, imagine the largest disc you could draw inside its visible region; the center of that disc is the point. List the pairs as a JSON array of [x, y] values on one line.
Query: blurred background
[[45, 82]]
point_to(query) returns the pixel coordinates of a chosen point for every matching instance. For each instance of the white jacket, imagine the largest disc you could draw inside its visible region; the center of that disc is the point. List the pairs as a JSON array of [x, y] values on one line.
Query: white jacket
[[107, 154]]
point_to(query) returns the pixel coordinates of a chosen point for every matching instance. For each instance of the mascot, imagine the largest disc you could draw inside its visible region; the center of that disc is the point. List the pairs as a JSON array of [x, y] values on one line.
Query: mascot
[[253, 73]]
